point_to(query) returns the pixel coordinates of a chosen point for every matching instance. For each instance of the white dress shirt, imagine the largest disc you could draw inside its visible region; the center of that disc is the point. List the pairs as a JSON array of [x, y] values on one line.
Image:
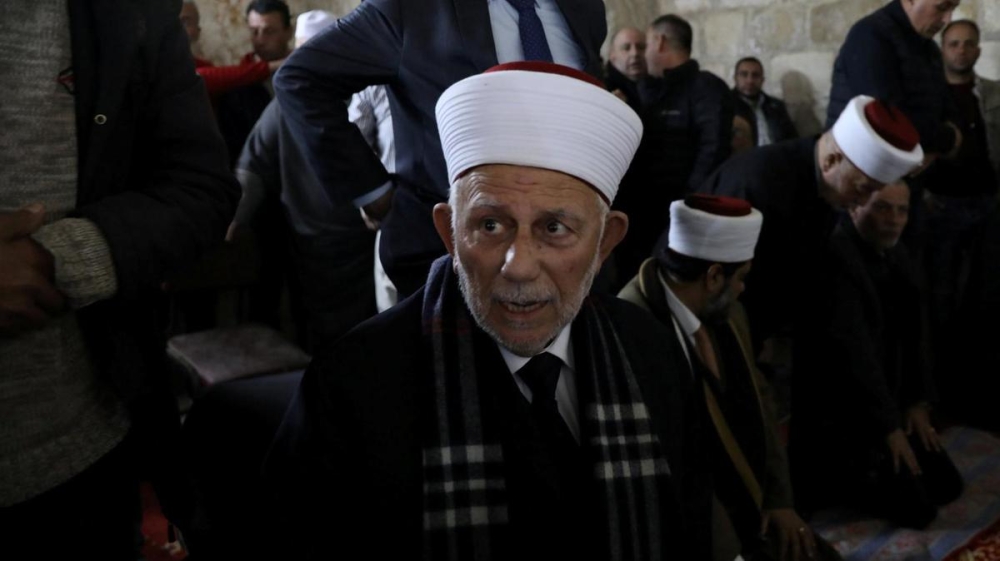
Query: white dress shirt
[[507, 37]]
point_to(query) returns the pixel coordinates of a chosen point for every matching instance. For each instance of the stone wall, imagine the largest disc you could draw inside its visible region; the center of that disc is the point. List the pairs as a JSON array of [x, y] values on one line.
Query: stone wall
[[796, 39]]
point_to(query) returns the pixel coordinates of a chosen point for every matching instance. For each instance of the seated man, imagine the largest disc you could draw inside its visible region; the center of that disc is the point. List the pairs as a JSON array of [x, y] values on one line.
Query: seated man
[[767, 115], [863, 428], [514, 416], [691, 286]]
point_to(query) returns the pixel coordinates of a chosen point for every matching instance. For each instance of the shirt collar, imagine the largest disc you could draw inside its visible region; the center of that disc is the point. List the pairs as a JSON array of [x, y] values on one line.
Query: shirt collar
[[561, 347], [685, 317]]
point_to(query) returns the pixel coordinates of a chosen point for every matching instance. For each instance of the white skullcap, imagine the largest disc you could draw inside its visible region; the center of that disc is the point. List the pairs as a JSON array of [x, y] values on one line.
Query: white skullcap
[[878, 139], [540, 115], [713, 228], [312, 22]]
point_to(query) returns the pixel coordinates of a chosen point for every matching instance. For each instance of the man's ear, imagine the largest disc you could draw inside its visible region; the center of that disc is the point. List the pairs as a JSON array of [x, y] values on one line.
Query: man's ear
[[442, 223], [615, 228], [715, 278]]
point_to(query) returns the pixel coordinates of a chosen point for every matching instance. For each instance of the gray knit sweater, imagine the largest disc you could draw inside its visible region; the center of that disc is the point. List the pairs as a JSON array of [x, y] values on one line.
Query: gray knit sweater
[[57, 417]]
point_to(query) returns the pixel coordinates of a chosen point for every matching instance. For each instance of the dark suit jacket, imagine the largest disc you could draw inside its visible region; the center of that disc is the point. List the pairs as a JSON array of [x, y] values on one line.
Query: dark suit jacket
[[348, 456], [152, 177], [780, 180], [779, 123], [418, 49], [884, 57]]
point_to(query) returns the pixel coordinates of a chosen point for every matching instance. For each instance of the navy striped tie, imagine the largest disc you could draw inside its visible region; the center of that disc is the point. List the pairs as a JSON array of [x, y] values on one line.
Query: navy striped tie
[[533, 41]]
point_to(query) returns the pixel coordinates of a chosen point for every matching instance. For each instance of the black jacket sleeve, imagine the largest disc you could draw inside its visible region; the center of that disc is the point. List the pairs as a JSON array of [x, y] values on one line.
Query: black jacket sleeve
[[175, 195], [713, 114], [358, 51]]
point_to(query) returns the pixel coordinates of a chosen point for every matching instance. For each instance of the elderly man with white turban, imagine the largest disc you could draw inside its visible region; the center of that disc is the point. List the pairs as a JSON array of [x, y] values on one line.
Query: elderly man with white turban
[[691, 285], [800, 186], [517, 417]]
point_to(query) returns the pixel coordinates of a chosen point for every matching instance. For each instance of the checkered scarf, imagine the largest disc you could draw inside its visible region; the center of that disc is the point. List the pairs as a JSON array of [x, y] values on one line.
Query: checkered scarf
[[465, 502]]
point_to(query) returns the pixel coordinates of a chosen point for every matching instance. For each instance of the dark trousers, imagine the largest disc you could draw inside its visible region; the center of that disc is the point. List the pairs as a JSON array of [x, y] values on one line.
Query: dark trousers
[[850, 476], [227, 435], [95, 514]]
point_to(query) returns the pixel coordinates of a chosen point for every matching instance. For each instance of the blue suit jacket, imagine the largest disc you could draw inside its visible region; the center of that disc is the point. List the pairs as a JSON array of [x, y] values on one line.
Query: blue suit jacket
[[418, 49]]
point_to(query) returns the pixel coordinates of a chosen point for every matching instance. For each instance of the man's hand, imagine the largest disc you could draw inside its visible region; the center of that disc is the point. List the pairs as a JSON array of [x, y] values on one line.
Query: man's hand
[[28, 296], [374, 212], [795, 538], [900, 449], [918, 419], [620, 95]]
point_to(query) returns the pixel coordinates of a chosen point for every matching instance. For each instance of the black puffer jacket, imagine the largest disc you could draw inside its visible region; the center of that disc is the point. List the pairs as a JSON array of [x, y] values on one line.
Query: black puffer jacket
[[687, 118], [884, 57]]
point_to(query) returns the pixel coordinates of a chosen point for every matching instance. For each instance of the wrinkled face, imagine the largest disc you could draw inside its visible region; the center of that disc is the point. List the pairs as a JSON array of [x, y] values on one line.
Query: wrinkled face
[[846, 186], [929, 16], [269, 35], [191, 21], [526, 244], [628, 53], [717, 308], [749, 78], [881, 221], [960, 49]]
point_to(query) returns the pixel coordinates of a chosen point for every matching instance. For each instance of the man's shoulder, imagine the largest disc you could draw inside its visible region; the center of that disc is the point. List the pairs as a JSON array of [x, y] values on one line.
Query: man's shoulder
[[986, 85], [380, 343], [638, 327], [708, 81]]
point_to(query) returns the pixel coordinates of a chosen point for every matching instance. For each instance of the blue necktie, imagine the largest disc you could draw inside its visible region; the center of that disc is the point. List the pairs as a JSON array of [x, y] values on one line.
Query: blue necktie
[[533, 41]]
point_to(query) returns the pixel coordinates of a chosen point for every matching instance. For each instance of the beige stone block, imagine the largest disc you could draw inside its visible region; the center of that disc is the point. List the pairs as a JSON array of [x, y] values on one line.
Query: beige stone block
[[989, 18], [989, 62], [781, 28], [803, 81], [968, 9], [722, 34], [745, 3], [829, 23], [682, 7]]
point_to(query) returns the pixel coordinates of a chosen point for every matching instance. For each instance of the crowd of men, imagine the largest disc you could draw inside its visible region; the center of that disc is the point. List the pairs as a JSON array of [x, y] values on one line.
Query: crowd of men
[[556, 306]]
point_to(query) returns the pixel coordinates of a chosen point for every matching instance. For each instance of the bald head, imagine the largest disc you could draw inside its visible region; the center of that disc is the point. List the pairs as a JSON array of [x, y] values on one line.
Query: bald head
[[628, 53]]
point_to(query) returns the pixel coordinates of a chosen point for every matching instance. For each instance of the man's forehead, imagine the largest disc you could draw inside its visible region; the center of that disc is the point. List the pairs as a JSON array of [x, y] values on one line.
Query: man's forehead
[[496, 185], [960, 31], [629, 36]]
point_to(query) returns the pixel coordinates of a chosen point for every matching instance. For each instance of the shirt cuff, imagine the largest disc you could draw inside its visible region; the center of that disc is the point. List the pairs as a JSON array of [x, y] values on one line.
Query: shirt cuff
[[373, 196], [84, 269]]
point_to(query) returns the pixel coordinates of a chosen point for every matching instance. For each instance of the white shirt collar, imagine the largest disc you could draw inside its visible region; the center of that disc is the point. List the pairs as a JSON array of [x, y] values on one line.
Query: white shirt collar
[[560, 347], [685, 317]]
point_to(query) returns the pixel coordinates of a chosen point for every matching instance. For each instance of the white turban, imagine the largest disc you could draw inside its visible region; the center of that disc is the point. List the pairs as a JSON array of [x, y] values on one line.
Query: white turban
[[713, 228], [540, 115], [878, 140]]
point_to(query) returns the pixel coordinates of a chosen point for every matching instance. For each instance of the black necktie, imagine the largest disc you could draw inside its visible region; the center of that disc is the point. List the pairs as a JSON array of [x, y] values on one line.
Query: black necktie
[[533, 41], [542, 374]]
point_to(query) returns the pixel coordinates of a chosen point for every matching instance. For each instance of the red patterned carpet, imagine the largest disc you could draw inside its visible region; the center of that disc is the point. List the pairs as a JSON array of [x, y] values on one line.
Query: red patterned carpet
[[984, 547], [156, 531], [965, 530]]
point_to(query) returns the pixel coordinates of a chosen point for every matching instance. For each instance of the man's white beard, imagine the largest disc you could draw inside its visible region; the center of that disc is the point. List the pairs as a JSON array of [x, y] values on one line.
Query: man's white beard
[[567, 310]]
